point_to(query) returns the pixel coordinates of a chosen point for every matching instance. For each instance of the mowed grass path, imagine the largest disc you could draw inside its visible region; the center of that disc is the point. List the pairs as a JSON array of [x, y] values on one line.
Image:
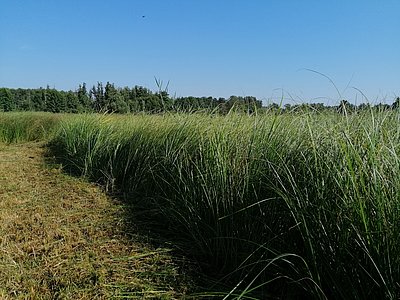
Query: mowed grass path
[[63, 238]]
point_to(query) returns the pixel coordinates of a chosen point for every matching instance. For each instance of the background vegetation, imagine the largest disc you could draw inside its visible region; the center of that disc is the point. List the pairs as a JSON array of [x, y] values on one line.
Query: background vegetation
[[109, 98]]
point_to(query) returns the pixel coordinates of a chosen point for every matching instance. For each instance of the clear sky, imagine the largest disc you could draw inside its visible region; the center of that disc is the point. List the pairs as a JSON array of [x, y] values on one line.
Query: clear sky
[[206, 47]]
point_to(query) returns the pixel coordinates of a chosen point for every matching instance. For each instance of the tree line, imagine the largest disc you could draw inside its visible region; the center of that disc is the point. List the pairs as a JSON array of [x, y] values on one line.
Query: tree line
[[108, 98], [344, 107]]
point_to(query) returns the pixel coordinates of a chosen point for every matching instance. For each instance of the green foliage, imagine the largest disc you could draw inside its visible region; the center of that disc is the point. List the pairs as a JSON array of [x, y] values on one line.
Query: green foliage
[[138, 99], [274, 204], [6, 100], [246, 104], [27, 126], [111, 99], [83, 98], [396, 103]]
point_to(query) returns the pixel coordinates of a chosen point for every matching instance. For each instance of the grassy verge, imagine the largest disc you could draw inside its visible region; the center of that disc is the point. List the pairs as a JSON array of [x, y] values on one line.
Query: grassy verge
[[292, 206], [28, 126], [62, 238]]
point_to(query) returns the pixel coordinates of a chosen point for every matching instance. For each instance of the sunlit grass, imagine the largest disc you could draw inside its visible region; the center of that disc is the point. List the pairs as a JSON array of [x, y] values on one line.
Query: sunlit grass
[[304, 204], [307, 202], [23, 126]]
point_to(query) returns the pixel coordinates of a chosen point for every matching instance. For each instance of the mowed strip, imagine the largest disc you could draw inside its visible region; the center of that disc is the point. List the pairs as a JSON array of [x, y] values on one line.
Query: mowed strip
[[61, 237]]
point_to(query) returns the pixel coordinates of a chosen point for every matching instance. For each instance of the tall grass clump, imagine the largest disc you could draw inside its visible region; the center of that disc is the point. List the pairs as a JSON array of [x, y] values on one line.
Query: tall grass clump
[[275, 205], [27, 126], [343, 191]]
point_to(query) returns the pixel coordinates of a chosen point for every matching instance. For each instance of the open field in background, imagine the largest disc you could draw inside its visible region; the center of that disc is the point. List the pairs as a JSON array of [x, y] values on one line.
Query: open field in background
[[283, 205]]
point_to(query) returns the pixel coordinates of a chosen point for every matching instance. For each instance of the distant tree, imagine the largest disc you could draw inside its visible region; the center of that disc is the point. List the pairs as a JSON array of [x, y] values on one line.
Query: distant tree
[[83, 98], [128, 99], [345, 107], [363, 106], [97, 96], [165, 100], [6, 100], [251, 104], [273, 107], [20, 98], [37, 99], [110, 97], [153, 103], [72, 102], [61, 101], [24, 99], [396, 103], [55, 101], [382, 107], [319, 107], [287, 107]]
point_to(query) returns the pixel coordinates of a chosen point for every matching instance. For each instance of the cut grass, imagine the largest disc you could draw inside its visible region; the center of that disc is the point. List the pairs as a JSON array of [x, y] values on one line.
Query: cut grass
[[62, 238]]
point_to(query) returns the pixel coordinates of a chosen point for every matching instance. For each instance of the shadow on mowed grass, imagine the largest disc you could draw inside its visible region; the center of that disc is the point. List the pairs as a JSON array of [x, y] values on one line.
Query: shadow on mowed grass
[[169, 273], [170, 261]]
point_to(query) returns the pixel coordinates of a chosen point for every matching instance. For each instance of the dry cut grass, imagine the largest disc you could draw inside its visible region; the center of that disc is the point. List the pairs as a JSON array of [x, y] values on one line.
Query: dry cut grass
[[62, 238]]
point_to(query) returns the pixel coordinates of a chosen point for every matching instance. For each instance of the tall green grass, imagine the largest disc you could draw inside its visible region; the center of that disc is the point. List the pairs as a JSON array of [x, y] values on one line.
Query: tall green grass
[[275, 205], [27, 126]]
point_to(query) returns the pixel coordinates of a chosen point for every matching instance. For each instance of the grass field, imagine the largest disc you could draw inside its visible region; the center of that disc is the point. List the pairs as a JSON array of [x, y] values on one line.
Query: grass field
[[288, 206], [21, 127], [63, 238]]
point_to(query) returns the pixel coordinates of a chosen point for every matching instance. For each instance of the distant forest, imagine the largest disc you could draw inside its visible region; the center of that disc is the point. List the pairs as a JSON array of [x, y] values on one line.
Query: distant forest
[[108, 98]]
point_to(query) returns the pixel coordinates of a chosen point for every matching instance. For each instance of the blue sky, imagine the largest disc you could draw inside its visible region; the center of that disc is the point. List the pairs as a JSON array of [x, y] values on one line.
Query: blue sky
[[208, 47]]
